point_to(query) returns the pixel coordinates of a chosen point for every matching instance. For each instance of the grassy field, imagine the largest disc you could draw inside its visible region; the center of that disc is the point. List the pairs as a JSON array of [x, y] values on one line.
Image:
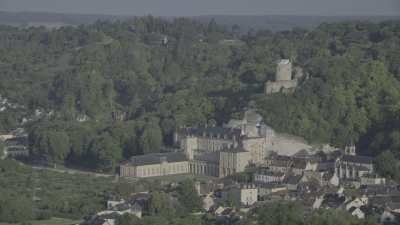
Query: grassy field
[[58, 194], [52, 221]]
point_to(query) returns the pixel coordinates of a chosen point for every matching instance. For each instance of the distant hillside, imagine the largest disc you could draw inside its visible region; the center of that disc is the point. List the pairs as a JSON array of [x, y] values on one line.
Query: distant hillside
[[50, 19], [281, 22], [246, 22]]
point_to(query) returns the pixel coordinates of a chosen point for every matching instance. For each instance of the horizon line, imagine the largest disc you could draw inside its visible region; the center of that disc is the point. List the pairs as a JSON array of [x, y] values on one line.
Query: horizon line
[[200, 15]]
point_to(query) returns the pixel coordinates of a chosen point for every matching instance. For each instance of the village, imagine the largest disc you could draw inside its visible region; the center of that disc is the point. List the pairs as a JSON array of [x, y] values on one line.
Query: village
[[249, 164]]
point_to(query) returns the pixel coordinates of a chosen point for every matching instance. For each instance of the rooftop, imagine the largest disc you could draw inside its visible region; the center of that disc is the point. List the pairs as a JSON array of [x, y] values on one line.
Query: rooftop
[[157, 158], [17, 141], [284, 61], [216, 132], [265, 171], [238, 149], [292, 179], [357, 159], [208, 157], [299, 164]]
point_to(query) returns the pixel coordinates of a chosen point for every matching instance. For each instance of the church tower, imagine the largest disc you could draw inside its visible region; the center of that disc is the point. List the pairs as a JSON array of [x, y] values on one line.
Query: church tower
[[350, 149]]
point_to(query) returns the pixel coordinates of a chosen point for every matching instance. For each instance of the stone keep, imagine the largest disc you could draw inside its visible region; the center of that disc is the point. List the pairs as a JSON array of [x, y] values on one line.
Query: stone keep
[[284, 70], [283, 79]]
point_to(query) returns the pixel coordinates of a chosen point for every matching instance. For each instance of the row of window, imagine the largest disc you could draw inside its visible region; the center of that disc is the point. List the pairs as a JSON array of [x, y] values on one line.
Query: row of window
[[157, 170]]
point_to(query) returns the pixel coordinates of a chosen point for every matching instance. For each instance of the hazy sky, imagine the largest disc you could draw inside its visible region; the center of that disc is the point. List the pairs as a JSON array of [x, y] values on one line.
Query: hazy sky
[[201, 7]]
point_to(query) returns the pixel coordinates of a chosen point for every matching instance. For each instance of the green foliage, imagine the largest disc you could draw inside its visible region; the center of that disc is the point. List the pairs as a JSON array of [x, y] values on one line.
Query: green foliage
[[387, 164], [53, 144], [1, 148], [188, 196], [14, 209], [56, 194], [105, 152], [151, 138], [159, 220], [279, 214], [160, 204]]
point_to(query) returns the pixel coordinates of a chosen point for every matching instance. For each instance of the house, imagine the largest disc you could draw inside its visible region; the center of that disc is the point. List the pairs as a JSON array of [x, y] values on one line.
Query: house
[[299, 166], [218, 210], [389, 217], [111, 205], [370, 179], [333, 201], [264, 175], [16, 147], [4, 137], [357, 202], [270, 188], [279, 164], [245, 194], [330, 179], [120, 208], [357, 212], [292, 182]]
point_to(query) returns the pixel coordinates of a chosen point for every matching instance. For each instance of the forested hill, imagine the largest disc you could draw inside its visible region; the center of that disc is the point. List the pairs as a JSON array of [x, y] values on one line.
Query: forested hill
[[96, 94]]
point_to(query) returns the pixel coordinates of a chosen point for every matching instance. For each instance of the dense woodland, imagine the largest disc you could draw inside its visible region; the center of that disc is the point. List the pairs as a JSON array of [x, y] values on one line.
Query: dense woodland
[[96, 94]]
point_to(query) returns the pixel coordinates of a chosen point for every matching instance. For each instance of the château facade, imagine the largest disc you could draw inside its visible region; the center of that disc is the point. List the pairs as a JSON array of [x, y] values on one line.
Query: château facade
[[211, 151]]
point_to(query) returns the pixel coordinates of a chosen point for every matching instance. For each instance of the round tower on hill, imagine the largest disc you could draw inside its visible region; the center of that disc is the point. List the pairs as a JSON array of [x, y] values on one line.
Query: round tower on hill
[[284, 70]]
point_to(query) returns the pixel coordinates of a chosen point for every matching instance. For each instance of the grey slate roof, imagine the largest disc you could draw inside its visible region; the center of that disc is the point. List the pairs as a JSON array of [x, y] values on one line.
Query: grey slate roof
[[212, 157], [17, 141], [357, 159], [292, 179], [299, 164], [214, 132], [326, 166], [265, 171], [156, 158], [237, 149], [279, 163]]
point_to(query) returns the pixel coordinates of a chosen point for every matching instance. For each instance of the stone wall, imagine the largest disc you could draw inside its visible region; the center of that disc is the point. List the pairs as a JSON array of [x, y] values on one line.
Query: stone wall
[[284, 144], [286, 86], [257, 148]]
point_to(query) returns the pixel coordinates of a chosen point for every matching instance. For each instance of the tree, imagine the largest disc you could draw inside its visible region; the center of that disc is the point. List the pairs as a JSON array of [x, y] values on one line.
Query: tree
[[278, 214], [151, 138], [128, 219], [188, 196], [106, 152], [59, 145], [387, 165], [2, 146], [160, 204], [51, 143], [14, 209]]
